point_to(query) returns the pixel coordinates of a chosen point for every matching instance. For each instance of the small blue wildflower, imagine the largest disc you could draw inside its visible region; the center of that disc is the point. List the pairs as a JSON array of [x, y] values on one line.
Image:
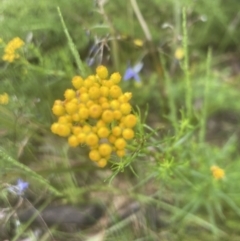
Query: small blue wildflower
[[22, 185], [132, 72], [19, 188]]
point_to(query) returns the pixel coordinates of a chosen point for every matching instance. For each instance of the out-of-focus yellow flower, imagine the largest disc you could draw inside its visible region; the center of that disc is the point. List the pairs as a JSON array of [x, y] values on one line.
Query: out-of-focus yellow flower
[[4, 98], [10, 49], [217, 172], [138, 42], [179, 53]]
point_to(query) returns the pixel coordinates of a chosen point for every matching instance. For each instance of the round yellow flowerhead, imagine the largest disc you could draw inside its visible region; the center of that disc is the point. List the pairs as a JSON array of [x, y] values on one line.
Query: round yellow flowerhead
[[116, 78], [58, 110], [98, 114], [69, 94], [102, 72], [77, 81], [4, 98], [179, 53], [217, 172]]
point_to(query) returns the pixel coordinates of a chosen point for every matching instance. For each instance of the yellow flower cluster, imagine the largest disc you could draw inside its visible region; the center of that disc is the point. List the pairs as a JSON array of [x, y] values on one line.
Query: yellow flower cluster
[[217, 172], [10, 50], [4, 98], [96, 113]]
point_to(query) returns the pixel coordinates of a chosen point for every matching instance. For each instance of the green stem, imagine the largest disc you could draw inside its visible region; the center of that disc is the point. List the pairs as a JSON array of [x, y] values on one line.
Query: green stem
[[188, 86], [72, 46], [4, 157]]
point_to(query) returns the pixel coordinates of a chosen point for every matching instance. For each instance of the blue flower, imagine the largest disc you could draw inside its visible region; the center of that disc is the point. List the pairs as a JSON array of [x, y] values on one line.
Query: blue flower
[[22, 186], [19, 188], [132, 72]]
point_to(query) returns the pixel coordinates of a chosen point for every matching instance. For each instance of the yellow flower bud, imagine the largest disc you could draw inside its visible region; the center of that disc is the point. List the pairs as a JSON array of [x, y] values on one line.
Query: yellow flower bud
[[83, 113], [77, 82], [73, 141], [117, 114], [69, 94], [105, 149], [95, 111], [102, 72], [84, 97], [125, 108], [103, 132], [130, 121], [58, 110], [81, 137], [120, 143], [104, 90], [76, 130], [71, 108], [63, 130], [54, 128], [115, 91], [120, 153], [102, 162], [107, 116], [116, 78], [128, 134], [117, 131], [94, 155], [92, 139], [94, 92]]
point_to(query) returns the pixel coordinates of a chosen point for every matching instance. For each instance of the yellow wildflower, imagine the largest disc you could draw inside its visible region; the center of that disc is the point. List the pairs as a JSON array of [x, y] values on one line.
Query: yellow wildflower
[[4, 98], [138, 42], [217, 172], [96, 113], [10, 50], [179, 53]]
